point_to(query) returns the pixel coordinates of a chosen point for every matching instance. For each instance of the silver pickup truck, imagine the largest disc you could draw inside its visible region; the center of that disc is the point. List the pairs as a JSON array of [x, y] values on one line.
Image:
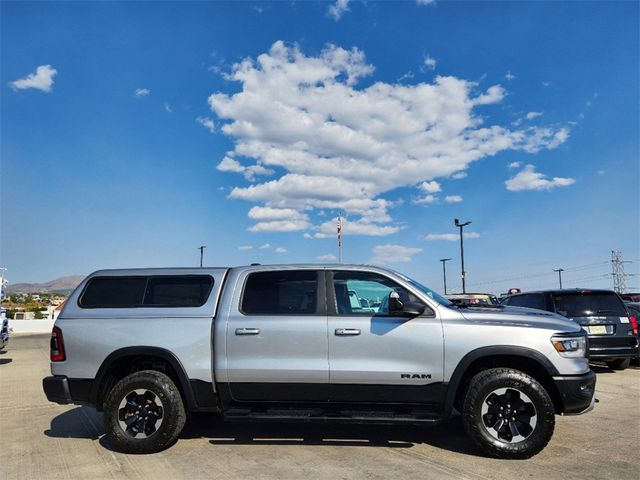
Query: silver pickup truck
[[343, 343]]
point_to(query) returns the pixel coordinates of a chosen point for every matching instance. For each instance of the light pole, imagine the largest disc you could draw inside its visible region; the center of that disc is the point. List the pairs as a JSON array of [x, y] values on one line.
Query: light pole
[[444, 273], [559, 270], [457, 223], [201, 248]]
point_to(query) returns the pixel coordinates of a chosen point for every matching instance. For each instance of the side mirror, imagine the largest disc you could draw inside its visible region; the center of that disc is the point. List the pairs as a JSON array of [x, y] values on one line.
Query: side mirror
[[395, 304], [408, 309]]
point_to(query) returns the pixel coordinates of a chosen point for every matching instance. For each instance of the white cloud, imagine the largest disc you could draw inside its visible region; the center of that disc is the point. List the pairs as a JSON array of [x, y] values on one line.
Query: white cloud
[[280, 226], [430, 62], [529, 179], [407, 76], [280, 250], [513, 165], [426, 2], [430, 187], [167, 108], [546, 84], [600, 172], [329, 257], [245, 247], [142, 92], [453, 199], [450, 237], [265, 246], [509, 76], [340, 147], [41, 80], [459, 175], [532, 115], [426, 200], [338, 9], [229, 164], [207, 123], [393, 253], [268, 213]]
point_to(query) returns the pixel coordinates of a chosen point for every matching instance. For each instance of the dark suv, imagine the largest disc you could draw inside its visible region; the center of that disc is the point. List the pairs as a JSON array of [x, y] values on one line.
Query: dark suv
[[602, 313]]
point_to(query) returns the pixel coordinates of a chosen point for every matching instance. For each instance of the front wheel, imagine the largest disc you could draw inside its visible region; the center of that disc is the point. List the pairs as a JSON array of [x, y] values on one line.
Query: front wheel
[[619, 364], [508, 414], [144, 413]]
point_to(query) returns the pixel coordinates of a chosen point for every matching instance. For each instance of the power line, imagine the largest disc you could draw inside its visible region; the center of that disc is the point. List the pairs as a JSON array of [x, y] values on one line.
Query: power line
[[544, 274]]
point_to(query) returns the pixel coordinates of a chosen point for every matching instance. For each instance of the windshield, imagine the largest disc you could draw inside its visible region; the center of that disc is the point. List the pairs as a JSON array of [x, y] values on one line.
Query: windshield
[[427, 291], [585, 304]]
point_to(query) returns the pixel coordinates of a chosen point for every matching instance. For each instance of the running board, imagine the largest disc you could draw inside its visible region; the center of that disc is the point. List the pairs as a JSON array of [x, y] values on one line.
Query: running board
[[339, 416]]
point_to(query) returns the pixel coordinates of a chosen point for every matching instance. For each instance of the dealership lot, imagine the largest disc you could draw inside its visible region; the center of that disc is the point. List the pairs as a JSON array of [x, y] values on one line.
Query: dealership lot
[[45, 440]]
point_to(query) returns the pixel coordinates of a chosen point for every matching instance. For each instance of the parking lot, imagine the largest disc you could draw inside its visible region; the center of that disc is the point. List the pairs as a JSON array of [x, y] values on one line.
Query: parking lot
[[45, 440]]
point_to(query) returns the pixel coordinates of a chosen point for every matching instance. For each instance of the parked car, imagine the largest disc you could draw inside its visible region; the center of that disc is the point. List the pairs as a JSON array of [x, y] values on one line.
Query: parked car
[[603, 315], [4, 329], [631, 297], [634, 311], [473, 298], [288, 343]]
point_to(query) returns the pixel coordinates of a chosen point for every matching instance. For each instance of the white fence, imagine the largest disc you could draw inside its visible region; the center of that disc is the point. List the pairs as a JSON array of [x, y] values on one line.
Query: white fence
[[31, 326]]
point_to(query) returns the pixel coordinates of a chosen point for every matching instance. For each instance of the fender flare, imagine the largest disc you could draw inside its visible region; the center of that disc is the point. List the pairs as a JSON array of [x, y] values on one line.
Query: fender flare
[[141, 350], [492, 351]]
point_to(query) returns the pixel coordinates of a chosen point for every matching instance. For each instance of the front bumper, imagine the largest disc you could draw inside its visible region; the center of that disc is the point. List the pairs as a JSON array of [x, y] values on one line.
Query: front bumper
[[604, 348], [577, 392]]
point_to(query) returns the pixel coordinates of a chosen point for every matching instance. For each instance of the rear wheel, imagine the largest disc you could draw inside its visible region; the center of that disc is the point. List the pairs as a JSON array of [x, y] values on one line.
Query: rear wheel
[[508, 413], [144, 413], [619, 364]]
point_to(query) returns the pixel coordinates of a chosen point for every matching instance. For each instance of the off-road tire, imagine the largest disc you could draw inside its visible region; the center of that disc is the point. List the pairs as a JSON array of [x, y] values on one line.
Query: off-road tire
[[481, 387], [173, 413], [619, 364]]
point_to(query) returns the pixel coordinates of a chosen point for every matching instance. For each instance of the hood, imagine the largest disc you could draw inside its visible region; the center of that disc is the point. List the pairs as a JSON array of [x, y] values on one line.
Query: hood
[[519, 317]]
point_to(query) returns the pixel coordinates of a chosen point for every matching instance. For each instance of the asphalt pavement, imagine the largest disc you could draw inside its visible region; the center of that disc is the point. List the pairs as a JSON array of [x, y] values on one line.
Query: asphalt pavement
[[39, 439]]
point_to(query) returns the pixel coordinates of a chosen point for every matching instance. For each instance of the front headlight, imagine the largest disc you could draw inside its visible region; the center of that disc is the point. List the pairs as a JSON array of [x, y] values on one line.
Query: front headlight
[[570, 346]]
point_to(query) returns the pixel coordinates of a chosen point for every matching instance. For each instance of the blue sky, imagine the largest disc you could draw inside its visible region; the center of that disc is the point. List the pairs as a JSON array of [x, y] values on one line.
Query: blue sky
[[166, 126]]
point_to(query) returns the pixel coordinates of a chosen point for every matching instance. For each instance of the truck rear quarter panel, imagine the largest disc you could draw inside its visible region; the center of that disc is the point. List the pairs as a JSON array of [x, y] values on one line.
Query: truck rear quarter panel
[[92, 334]]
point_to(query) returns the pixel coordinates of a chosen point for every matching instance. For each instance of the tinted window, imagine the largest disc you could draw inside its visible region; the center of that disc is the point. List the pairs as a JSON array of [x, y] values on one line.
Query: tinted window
[[292, 292], [185, 291], [361, 293], [160, 291], [517, 301], [535, 300], [584, 304], [114, 292]]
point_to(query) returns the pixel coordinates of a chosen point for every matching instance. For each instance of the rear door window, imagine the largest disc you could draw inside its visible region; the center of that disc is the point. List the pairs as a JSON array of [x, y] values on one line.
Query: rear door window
[[587, 304], [286, 292]]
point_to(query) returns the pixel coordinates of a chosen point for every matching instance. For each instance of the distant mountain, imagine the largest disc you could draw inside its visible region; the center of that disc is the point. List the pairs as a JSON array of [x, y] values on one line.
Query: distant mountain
[[62, 285]]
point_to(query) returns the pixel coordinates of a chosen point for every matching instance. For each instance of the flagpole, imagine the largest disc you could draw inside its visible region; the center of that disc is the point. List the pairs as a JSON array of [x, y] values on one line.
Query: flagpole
[[339, 238]]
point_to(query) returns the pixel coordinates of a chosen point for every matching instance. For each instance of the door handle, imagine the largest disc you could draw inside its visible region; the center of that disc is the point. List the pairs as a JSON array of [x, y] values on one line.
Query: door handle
[[247, 331], [347, 332]]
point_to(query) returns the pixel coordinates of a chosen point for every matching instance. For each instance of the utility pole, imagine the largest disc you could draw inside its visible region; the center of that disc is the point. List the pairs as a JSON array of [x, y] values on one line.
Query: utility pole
[[457, 223], [201, 248], [339, 238], [444, 273], [617, 271], [559, 270]]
